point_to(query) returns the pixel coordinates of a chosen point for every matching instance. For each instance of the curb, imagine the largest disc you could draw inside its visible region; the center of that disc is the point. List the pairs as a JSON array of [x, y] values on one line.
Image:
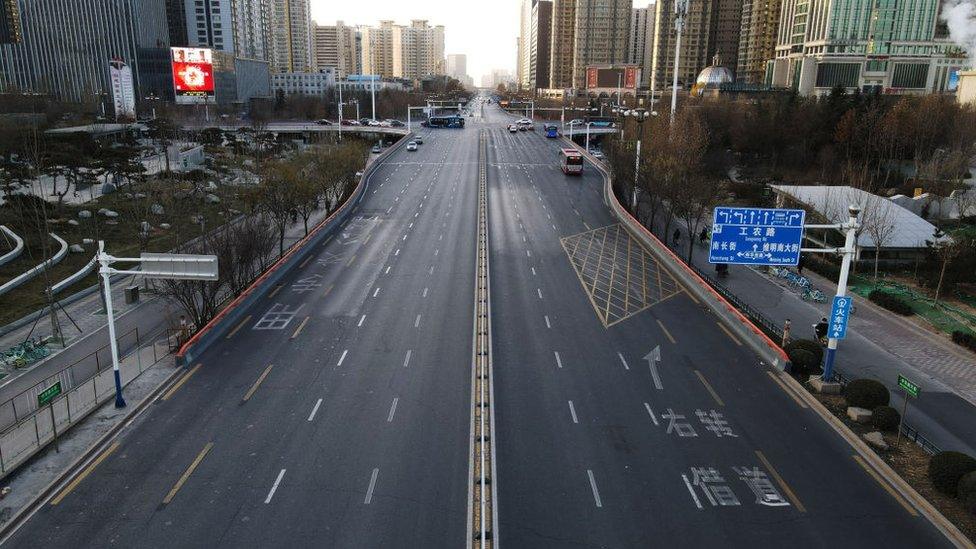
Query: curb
[[20, 517]]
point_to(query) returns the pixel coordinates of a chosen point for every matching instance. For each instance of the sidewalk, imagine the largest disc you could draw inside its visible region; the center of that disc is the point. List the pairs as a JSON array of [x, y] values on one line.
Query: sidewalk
[[878, 345]]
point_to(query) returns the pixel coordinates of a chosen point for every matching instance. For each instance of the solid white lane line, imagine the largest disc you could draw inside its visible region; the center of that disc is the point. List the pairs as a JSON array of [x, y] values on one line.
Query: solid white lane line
[[343, 357], [376, 293], [547, 322], [539, 291], [392, 410], [406, 359], [372, 484], [559, 362], [691, 491], [624, 361], [596, 492], [651, 413], [425, 291], [274, 487], [572, 412], [416, 323], [315, 409], [361, 320]]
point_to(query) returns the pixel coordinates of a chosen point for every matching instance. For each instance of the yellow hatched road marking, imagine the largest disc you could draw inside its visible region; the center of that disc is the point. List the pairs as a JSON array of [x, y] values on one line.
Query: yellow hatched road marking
[[782, 483], [186, 475], [180, 383], [84, 474]]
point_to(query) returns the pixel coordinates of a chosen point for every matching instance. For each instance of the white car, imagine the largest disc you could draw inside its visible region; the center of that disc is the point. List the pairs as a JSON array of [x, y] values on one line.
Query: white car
[[411, 146], [513, 128], [596, 154]]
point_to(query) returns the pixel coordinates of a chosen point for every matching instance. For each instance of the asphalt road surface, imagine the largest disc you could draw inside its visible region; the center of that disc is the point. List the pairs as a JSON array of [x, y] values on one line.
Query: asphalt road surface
[[338, 413]]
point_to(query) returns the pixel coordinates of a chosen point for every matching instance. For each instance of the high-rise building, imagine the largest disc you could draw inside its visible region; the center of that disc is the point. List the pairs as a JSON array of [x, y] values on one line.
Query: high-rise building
[[872, 45], [418, 50], [291, 35], [201, 23], [377, 49], [252, 29], [757, 43], [65, 48], [524, 49], [562, 43], [641, 41], [337, 46], [600, 35], [540, 42], [712, 27], [10, 32], [457, 65]]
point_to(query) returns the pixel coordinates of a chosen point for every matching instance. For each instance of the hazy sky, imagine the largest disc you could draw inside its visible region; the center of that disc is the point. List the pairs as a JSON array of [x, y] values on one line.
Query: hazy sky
[[484, 30]]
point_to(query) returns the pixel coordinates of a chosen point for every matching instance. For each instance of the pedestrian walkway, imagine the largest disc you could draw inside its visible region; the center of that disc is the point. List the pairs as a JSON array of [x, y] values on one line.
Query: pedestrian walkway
[[879, 345]]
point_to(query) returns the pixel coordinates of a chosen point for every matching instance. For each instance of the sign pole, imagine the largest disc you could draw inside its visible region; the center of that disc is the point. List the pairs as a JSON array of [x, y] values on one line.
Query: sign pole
[[54, 426], [904, 412], [845, 269], [911, 390], [105, 271]]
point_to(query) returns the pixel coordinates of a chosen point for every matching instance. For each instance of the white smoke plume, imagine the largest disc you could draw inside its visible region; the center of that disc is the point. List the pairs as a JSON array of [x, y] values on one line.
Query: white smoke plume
[[960, 17]]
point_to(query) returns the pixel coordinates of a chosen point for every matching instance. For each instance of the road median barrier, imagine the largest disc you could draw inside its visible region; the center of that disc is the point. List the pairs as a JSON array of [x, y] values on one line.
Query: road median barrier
[[234, 312]]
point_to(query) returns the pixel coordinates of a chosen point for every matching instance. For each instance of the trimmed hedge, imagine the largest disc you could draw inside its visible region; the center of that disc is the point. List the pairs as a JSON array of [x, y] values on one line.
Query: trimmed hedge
[[805, 356], [885, 418], [891, 302], [966, 490], [823, 268], [866, 393], [947, 468], [965, 339]]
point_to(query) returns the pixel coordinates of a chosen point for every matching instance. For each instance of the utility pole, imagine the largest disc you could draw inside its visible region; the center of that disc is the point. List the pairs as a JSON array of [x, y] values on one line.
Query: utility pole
[[372, 88], [340, 110], [680, 10]]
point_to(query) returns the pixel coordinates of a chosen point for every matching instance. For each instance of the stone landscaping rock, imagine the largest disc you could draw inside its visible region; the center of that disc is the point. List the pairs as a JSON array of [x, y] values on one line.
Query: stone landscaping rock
[[139, 196], [213, 199], [156, 209], [73, 222], [87, 241], [76, 248], [127, 196], [859, 415], [145, 227], [110, 214], [164, 226], [85, 214], [112, 222], [876, 439]]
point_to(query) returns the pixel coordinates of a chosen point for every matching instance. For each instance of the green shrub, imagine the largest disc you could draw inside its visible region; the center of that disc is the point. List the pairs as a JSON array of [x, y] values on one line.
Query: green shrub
[[891, 302], [965, 339], [966, 491], [885, 418], [866, 393], [823, 268], [805, 356], [947, 468]]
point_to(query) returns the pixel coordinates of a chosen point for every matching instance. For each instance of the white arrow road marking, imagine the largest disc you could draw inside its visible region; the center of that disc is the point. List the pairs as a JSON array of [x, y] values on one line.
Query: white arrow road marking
[[652, 358]]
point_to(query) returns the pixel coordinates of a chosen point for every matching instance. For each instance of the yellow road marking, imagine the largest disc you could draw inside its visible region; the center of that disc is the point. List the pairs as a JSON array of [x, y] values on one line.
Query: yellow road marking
[[239, 326], [370, 235], [666, 332], [250, 392], [180, 383], [88, 470], [782, 483], [728, 333], [307, 259], [327, 240], [709, 387], [891, 491], [276, 290], [351, 259], [693, 298], [189, 471], [300, 327], [327, 290], [786, 389]]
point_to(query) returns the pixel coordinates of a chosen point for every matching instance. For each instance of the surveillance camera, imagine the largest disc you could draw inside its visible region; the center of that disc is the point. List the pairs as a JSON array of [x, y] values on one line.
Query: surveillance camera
[[854, 209]]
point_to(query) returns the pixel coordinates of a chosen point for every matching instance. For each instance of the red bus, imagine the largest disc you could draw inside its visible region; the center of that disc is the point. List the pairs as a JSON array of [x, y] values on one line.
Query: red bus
[[571, 161]]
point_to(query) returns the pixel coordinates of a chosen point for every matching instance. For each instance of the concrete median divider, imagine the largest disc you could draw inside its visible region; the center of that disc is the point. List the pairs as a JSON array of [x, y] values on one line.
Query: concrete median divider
[[234, 312]]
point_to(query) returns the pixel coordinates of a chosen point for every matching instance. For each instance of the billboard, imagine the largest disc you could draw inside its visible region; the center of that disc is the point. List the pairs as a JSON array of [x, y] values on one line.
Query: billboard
[[193, 78], [607, 77], [123, 92]]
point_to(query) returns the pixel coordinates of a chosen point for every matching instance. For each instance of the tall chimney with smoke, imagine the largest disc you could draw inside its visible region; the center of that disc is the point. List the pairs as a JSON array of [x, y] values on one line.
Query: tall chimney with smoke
[[960, 18]]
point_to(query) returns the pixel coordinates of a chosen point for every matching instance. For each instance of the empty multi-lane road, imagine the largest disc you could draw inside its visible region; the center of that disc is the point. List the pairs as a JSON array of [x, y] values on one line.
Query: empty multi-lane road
[[339, 413]]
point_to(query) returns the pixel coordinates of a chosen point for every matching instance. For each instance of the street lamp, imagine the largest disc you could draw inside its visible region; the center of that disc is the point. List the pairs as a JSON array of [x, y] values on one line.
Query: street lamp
[[571, 124], [639, 115], [680, 11], [588, 124]]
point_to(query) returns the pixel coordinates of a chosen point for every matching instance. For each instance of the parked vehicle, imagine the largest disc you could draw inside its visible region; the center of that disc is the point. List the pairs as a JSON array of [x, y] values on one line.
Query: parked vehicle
[[377, 149]]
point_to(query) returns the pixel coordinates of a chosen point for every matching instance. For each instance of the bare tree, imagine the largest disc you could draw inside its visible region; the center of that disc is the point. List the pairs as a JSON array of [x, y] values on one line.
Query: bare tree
[[946, 249], [879, 222]]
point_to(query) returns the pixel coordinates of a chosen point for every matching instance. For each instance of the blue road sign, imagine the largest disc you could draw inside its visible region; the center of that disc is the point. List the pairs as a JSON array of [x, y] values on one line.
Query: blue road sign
[[839, 313], [756, 236]]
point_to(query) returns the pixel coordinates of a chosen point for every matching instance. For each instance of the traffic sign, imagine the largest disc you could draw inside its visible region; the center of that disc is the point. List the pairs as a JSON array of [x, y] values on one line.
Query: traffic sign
[[908, 386], [839, 313], [756, 236], [49, 394]]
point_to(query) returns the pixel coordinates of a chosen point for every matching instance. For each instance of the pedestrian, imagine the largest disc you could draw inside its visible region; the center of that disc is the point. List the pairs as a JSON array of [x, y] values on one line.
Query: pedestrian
[[703, 236], [677, 235], [799, 266], [820, 329], [183, 328]]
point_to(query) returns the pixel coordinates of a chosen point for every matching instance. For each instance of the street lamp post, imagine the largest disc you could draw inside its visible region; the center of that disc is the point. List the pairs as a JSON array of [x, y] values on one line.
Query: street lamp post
[[680, 10], [639, 115], [588, 124]]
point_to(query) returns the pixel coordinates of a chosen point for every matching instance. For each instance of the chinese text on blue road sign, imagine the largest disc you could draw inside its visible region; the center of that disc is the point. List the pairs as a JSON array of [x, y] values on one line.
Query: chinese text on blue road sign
[[839, 313], [756, 236]]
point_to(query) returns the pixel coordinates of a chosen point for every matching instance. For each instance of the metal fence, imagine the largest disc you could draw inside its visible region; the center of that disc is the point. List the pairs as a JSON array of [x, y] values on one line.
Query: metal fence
[[85, 385]]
